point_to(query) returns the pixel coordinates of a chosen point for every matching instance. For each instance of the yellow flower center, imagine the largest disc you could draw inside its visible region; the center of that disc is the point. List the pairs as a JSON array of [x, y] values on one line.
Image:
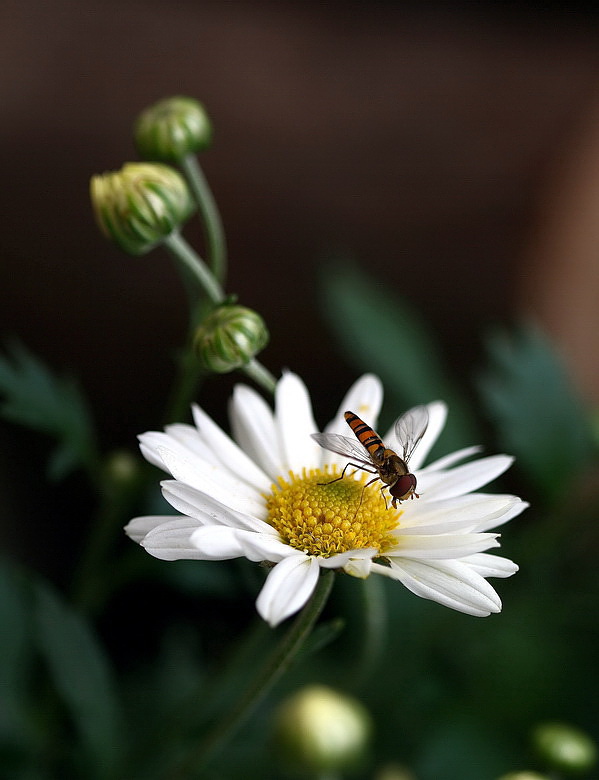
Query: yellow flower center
[[319, 516]]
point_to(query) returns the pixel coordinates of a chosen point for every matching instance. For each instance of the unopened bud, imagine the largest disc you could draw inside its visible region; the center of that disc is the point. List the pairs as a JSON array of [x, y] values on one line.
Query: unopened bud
[[229, 337], [319, 730], [394, 772], [524, 776], [171, 129], [140, 205], [564, 748], [122, 468]]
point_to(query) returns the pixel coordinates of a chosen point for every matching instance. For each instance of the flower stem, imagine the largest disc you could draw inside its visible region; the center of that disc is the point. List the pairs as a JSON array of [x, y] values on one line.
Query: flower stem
[[275, 665], [260, 375], [216, 247], [374, 629], [193, 263], [185, 387]]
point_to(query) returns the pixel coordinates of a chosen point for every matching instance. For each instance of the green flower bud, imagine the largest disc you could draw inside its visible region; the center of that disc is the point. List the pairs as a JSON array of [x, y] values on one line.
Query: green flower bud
[[140, 205], [171, 129], [564, 748], [229, 338], [321, 730]]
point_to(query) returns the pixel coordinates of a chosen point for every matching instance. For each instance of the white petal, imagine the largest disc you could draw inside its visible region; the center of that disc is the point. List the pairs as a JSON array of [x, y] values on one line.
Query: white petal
[[264, 547], [475, 511], [287, 588], [228, 453], [451, 583], [153, 443], [181, 439], [517, 507], [253, 426], [215, 482], [207, 510], [437, 414], [437, 485], [364, 398], [149, 444], [191, 439], [449, 460], [491, 565], [359, 559], [137, 528], [295, 423], [172, 541], [216, 543], [359, 567], [441, 546]]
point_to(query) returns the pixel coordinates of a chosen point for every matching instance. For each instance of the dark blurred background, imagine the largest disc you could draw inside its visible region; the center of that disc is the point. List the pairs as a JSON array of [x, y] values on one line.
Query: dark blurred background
[[450, 149]]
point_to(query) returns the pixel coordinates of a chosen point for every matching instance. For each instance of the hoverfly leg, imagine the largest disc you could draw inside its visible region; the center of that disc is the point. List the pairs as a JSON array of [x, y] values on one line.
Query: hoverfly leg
[[362, 494], [393, 500], [337, 478], [357, 468]]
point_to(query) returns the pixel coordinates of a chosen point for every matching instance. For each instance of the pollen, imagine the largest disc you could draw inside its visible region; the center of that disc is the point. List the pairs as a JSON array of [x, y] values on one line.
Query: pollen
[[322, 517]]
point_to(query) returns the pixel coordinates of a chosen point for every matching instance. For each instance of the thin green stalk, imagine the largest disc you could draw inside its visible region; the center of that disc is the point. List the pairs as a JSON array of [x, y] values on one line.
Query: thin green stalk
[[275, 665], [188, 257], [193, 271], [189, 371], [185, 387], [260, 375], [374, 630], [216, 247]]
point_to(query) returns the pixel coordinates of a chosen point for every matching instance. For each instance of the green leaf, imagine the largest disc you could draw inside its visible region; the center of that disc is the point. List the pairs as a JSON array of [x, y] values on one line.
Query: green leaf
[[82, 678], [380, 332], [36, 398], [538, 415]]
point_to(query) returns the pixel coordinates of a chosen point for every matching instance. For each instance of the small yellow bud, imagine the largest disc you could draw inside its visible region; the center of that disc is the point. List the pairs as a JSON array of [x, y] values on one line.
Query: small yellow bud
[[524, 776], [140, 205], [122, 468], [320, 730], [229, 337], [171, 129], [564, 748], [394, 772]]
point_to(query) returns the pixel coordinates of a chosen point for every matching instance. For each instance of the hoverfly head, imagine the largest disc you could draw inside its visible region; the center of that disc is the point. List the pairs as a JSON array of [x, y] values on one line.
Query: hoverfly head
[[404, 488]]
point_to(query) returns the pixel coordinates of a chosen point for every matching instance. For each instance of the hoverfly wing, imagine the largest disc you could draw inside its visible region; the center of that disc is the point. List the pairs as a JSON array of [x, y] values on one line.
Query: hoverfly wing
[[410, 428], [342, 445]]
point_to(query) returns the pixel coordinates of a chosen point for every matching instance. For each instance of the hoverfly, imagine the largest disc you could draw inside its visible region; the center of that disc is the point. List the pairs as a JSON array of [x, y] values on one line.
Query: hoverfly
[[388, 466]]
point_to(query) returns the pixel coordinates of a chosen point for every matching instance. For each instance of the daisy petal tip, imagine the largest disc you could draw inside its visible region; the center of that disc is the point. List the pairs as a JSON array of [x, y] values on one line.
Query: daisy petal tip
[[288, 587], [437, 407], [359, 568], [272, 620]]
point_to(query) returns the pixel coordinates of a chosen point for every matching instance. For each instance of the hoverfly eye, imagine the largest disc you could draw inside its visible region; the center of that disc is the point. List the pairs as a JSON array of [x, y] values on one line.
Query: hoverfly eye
[[404, 487]]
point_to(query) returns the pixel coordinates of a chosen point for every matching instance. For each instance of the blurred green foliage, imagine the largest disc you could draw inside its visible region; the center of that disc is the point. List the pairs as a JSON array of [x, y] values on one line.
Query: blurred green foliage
[[535, 411], [38, 399]]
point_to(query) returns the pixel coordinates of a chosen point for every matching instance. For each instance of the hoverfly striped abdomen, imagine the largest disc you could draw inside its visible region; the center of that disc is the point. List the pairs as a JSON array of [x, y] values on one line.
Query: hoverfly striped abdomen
[[366, 436]]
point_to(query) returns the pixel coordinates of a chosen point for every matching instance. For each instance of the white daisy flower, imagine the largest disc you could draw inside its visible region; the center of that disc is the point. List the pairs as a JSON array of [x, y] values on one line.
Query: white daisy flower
[[269, 495]]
